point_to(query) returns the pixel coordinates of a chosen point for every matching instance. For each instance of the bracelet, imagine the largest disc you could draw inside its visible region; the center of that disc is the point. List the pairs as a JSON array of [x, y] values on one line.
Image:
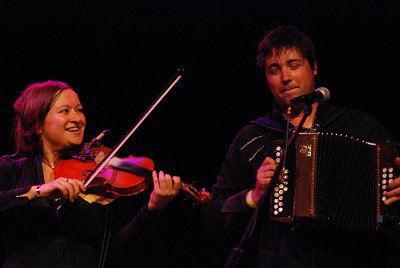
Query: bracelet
[[37, 191], [249, 199]]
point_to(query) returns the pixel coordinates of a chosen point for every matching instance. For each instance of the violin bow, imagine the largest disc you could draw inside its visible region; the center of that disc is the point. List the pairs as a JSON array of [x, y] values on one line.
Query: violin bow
[[176, 77]]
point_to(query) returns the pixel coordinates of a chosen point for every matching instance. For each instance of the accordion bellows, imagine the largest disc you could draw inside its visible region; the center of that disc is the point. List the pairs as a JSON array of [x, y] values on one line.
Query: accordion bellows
[[336, 179]]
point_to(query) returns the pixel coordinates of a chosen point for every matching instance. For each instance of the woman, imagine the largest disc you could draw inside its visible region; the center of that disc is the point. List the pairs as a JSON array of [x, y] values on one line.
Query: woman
[[50, 123]]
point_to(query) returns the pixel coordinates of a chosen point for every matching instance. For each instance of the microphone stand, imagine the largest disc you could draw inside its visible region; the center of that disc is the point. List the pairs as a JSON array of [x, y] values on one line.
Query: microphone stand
[[238, 251]]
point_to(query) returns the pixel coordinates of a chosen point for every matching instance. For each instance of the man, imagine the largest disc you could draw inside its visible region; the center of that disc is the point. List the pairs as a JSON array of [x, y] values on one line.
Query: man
[[288, 59]]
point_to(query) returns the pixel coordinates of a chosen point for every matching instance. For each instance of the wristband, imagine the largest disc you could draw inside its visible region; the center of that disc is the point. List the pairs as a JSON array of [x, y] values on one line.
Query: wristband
[[37, 191], [249, 199]]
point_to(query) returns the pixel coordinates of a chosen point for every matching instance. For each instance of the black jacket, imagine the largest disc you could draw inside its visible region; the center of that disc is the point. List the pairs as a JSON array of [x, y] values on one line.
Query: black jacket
[[276, 244]]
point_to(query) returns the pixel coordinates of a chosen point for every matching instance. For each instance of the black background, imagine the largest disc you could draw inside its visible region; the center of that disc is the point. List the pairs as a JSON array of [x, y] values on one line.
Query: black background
[[120, 55]]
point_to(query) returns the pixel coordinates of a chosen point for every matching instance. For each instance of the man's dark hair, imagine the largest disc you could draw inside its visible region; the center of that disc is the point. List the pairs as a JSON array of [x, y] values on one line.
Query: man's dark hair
[[282, 38]]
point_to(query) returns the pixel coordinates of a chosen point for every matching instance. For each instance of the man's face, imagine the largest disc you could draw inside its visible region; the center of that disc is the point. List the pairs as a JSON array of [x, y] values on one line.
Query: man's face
[[289, 75]]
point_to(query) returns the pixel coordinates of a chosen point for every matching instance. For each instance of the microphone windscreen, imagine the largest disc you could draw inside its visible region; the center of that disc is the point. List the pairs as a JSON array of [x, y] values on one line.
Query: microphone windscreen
[[325, 92]]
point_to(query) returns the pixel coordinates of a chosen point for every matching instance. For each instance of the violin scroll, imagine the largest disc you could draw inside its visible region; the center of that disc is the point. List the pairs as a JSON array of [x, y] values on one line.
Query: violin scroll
[[201, 197]]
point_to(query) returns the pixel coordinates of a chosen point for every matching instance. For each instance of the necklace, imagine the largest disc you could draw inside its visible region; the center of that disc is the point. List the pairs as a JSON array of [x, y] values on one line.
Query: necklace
[[48, 164], [49, 174]]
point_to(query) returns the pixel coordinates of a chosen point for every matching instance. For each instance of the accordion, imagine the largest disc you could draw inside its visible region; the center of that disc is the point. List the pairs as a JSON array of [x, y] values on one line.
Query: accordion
[[337, 179]]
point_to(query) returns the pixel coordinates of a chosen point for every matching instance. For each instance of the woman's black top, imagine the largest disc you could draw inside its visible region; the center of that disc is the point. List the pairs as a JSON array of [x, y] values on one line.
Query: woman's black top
[[36, 235]]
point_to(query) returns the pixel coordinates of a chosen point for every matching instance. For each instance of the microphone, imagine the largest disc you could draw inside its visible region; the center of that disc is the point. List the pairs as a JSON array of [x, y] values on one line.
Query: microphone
[[321, 94], [95, 141]]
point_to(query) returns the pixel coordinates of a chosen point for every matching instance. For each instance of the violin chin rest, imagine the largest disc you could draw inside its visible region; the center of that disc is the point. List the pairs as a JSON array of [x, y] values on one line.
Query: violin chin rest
[[94, 198]]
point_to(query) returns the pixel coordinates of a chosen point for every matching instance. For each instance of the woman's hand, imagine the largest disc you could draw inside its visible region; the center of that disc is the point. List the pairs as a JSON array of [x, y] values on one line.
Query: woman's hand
[[60, 188], [166, 188]]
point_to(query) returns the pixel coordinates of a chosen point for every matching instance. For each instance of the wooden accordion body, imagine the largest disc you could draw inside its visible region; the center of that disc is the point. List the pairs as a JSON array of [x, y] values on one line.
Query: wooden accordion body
[[338, 179]]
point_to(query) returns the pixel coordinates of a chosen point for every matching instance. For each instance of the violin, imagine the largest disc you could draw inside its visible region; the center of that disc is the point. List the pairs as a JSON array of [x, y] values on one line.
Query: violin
[[108, 176], [120, 177]]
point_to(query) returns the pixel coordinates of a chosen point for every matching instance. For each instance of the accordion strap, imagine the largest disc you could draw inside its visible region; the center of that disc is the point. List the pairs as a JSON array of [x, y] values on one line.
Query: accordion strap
[[269, 124], [333, 115], [278, 127]]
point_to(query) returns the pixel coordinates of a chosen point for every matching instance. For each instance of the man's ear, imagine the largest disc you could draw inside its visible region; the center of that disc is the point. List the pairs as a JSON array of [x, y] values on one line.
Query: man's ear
[[315, 69]]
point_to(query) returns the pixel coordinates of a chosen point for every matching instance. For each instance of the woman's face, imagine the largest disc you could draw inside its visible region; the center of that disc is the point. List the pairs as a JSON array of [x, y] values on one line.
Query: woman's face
[[64, 124]]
